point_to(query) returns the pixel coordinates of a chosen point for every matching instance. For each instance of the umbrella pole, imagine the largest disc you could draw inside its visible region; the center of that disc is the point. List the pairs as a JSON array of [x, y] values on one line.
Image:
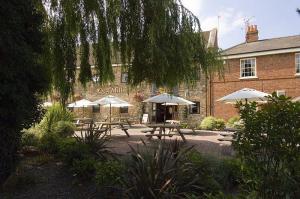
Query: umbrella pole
[[110, 118], [165, 115]]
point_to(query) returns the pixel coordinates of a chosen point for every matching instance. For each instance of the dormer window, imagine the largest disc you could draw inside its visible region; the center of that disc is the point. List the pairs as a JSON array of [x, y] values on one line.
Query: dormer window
[[298, 63], [248, 68]]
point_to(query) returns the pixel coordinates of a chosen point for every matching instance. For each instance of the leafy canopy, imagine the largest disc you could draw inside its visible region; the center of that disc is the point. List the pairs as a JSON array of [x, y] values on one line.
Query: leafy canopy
[[157, 41], [269, 146]]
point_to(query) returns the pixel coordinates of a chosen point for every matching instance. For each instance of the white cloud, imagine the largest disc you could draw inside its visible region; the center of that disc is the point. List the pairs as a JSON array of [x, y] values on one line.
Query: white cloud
[[194, 6], [229, 20]]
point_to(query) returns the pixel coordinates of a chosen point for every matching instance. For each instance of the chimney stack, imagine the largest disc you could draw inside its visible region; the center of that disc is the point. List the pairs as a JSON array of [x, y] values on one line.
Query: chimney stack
[[252, 34]]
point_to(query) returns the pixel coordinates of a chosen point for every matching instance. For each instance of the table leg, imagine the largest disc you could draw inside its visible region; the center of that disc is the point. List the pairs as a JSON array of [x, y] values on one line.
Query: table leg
[[125, 130], [154, 129], [182, 136]]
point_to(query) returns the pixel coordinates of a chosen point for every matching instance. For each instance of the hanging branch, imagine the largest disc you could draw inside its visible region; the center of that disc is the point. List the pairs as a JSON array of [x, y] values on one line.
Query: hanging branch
[[158, 42]]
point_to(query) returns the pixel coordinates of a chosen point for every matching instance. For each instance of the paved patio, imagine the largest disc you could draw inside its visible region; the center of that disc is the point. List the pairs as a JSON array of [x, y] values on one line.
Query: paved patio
[[204, 141]]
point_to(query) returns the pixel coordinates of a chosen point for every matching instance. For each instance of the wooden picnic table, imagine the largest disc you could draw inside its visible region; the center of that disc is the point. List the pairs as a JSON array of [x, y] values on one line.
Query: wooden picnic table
[[162, 128], [108, 125]]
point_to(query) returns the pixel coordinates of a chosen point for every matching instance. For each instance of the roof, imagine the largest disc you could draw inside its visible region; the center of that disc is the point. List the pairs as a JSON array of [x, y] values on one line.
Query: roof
[[264, 45]]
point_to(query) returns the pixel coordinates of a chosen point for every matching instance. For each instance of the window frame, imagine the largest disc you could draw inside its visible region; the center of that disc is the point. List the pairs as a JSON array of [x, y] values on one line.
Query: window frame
[[124, 108], [255, 68], [198, 107], [125, 82], [297, 64]]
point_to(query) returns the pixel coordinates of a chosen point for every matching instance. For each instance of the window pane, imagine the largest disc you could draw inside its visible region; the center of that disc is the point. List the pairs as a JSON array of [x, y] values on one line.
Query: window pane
[[297, 63], [96, 109], [124, 109], [124, 77], [195, 108], [248, 68]]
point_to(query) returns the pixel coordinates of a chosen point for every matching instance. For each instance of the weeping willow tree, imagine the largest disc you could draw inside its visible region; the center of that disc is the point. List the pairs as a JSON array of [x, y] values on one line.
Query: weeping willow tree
[[158, 41]]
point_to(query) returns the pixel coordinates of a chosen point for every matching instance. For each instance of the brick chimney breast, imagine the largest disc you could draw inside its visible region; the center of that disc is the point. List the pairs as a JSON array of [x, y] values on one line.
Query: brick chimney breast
[[252, 33]]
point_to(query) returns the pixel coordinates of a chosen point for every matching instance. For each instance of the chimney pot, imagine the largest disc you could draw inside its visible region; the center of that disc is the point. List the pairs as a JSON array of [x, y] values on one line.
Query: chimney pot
[[252, 34]]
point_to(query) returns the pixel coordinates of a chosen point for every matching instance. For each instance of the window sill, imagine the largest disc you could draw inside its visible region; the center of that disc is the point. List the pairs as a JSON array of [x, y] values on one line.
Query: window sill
[[297, 75], [246, 78]]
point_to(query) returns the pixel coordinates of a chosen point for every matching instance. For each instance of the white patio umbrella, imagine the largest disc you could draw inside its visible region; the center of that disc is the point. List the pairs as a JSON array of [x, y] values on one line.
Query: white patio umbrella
[[245, 94], [112, 101], [168, 99], [82, 104]]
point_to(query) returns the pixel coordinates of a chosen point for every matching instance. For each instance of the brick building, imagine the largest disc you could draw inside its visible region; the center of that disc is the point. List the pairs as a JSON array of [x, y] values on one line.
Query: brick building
[[269, 65], [135, 96]]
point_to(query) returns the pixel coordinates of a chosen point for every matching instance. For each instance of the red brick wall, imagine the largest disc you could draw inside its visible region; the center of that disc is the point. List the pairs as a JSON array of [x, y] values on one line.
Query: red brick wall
[[274, 72]]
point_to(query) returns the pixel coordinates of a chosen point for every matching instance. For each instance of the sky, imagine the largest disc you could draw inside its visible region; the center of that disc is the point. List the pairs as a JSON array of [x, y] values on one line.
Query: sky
[[274, 18]]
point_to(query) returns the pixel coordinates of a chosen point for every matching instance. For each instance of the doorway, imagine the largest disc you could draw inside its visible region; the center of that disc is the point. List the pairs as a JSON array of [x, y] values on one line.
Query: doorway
[[171, 112]]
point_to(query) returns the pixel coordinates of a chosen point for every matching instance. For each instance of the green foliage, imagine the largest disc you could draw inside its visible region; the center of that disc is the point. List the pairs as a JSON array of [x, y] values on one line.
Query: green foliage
[[70, 150], [231, 123], [55, 114], [49, 143], [85, 168], [219, 124], [23, 77], [145, 36], [216, 174], [109, 173], [212, 123], [97, 141], [269, 146], [158, 172], [64, 128], [30, 137]]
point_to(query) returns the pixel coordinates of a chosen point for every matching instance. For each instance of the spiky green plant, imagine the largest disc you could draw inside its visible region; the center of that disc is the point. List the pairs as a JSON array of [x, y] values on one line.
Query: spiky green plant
[[158, 172], [55, 114]]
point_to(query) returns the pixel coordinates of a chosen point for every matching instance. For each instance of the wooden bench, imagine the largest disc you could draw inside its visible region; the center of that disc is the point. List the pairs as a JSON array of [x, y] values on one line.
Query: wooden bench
[[229, 139], [160, 135], [148, 131]]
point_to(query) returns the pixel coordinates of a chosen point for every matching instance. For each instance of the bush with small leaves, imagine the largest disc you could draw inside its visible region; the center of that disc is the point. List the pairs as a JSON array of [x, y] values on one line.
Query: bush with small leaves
[[70, 150], [109, 173], [212, 123], [219, 124], [232, 121], [64, 128], [49, 143], [269, 146], [29, 138], [85, 168]]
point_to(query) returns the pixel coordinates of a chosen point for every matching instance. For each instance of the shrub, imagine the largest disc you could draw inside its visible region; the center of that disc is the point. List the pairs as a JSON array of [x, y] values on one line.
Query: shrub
[[49, 143], [231, 122], [55, 114], [269, 146], [64, 128], [109, 173], [208, 123], [29, 138], [85, 168], [97, 141], [159, 172], [219, 124], [212, 123], [228, 173], [70, 150]]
